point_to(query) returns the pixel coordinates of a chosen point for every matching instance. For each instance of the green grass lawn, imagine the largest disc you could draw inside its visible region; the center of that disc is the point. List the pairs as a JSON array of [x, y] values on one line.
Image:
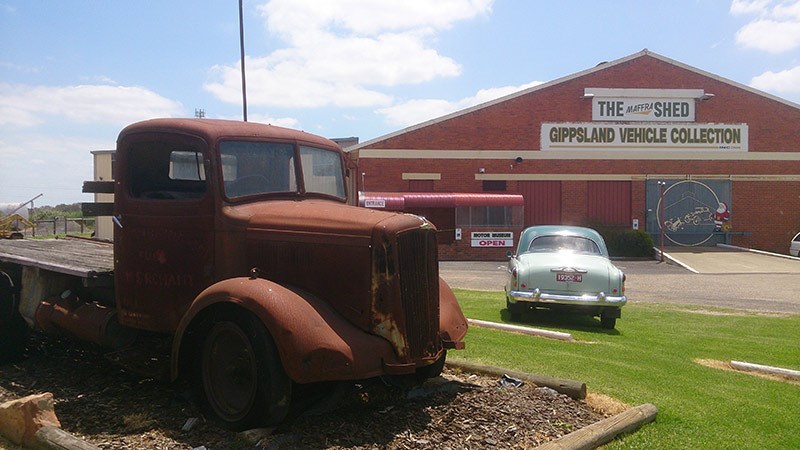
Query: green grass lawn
[[651, 358]]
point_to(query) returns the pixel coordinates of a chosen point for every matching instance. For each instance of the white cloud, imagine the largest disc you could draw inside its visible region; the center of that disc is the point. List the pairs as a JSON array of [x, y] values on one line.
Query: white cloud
[[417, 111], [785, 81], [53, 165], [342, 52], [748, 6], [24, 105], [776, 29]]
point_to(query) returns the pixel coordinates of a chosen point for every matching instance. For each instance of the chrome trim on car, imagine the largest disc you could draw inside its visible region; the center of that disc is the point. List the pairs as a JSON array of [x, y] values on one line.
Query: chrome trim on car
[[568, 270], [586, 299]]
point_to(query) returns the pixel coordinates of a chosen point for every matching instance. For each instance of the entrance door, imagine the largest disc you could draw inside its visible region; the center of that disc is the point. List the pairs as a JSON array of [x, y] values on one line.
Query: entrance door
[[542, 202]]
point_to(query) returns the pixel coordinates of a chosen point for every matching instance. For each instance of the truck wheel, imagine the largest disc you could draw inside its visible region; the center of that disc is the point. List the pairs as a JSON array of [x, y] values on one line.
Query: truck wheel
[[13, 329], [433, 370], [241, 375]]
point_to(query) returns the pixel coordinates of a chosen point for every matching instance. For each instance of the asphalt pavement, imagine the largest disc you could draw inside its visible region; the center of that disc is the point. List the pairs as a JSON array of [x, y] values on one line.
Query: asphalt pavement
[[723, 278]]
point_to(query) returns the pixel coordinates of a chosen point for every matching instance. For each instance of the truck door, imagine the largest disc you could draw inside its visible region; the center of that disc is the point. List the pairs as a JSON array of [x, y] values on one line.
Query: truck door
[[164, 233]]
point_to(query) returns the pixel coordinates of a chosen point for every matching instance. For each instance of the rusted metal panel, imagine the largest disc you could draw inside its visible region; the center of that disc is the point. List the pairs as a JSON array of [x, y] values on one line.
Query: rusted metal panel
[[609, 202], [542, 202]]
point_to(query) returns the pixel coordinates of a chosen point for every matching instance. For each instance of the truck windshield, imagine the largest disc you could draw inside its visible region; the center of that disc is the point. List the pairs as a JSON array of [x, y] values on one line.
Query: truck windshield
[[250, 168]]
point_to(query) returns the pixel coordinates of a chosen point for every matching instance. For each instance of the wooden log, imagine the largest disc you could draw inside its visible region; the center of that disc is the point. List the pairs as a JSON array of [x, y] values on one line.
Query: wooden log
[[574, 389], [778, 371], [519, 329], [54, 438], [604, 431]]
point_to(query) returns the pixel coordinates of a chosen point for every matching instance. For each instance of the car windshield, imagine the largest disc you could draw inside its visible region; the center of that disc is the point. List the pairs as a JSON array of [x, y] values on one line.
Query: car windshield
[[564, 244], [251, 168]]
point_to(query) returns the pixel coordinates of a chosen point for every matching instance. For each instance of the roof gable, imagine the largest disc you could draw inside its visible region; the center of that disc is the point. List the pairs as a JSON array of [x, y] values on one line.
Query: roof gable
[[603, 66]]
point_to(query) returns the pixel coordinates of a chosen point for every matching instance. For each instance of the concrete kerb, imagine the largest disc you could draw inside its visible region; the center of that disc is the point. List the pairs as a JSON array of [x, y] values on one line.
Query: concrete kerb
[[520, 329], [672, 260], [760, 252]]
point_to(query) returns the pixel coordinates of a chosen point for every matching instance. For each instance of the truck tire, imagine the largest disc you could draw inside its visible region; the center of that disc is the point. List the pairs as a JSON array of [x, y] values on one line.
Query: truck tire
[[240, 374], [433, 370], [13, 329]]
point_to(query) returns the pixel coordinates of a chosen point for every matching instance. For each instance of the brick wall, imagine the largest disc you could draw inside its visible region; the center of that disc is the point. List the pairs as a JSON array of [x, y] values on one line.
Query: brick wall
[[769, 210]]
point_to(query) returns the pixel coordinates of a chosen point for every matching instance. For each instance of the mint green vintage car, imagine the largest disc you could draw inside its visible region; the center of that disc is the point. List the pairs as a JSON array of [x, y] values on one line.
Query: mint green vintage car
[[564, 268]]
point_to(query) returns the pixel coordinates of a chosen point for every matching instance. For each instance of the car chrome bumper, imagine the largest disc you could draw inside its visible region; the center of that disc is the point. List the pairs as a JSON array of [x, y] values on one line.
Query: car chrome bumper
[[588, 300]]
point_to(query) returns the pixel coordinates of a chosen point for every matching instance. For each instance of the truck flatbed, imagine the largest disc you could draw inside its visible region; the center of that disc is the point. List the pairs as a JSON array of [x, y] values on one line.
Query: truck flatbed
[[84, 258]]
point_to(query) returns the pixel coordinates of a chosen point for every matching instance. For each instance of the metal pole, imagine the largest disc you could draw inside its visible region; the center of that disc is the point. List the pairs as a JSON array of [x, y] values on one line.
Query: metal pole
[[661, 215], [241, 51]]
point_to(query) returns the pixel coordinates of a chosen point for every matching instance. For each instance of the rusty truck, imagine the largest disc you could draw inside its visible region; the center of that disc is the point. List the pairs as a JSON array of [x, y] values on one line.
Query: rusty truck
[[238, 263]]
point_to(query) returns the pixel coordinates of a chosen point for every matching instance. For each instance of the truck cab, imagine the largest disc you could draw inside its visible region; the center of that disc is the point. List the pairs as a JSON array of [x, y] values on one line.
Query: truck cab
[[236, 241]]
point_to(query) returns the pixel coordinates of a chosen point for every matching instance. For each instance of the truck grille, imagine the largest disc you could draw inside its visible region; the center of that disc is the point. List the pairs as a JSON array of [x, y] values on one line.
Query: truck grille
[[419, 290]]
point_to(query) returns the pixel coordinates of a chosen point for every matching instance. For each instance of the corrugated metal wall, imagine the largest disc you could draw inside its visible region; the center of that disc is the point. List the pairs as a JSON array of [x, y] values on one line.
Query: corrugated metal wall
[[609, 202], [542, 202]]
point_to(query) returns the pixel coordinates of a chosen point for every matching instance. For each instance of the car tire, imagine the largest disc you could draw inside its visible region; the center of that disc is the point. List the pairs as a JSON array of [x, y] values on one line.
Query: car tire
[[514, 310], [13, 329], [608, 322], [240, 378]]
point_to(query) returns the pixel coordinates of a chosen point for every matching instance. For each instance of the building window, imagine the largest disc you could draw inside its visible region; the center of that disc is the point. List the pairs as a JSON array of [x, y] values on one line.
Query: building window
[[494, 185], [488, 216]]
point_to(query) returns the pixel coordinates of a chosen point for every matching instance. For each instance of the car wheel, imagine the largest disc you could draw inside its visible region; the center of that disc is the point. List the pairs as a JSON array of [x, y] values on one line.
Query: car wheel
[[241, 377], [13, 329], [608, 322], [514, 310]]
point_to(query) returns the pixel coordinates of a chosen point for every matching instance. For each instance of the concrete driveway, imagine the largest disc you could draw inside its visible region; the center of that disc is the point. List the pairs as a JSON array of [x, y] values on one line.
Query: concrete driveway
[[726, 279]]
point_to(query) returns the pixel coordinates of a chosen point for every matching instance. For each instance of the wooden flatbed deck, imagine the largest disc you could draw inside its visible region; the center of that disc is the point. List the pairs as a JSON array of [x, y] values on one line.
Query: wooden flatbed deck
[[79, 257]]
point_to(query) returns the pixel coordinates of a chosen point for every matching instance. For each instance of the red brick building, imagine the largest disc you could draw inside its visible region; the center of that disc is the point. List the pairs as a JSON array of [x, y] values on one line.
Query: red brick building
[[599, 147]]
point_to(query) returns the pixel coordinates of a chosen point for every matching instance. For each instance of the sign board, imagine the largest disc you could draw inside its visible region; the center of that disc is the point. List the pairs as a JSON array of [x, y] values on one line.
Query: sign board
[[492, 238], [643, 109], [663, 136], [375, 203]]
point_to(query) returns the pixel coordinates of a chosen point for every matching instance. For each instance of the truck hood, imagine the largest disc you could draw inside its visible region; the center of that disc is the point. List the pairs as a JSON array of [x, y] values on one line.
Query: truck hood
[[318, 217]]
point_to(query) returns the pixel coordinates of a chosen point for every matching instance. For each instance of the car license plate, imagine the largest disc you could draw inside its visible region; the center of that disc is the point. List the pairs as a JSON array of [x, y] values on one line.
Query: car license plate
[[569, 277]]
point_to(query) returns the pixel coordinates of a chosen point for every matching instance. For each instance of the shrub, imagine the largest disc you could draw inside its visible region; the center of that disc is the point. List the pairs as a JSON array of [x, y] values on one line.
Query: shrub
[[630, 243]]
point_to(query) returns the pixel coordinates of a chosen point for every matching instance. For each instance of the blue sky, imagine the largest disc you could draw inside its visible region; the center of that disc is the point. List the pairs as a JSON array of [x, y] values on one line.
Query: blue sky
[[73, 73]]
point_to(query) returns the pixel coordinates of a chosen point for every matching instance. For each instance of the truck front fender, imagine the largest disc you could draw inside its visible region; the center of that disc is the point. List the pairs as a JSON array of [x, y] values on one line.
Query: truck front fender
[[314, 342], [452, 323]]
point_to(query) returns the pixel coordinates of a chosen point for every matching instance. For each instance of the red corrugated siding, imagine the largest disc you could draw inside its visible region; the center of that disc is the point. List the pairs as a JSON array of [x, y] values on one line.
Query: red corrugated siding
[[542, 202], [609, 202]]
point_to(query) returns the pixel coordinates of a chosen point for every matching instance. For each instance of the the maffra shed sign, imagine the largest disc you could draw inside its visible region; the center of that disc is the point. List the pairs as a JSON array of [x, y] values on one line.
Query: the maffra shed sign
[[492, 239]]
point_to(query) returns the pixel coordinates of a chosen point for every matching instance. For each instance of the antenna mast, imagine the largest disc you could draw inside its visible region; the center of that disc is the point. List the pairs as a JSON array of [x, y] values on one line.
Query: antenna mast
[[241, 50]]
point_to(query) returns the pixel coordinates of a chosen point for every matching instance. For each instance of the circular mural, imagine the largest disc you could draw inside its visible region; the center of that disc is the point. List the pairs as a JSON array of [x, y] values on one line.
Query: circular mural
[[692, 213]]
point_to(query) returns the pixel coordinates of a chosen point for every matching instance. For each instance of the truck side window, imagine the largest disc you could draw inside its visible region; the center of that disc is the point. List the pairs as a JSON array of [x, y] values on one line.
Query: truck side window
[[162, 171]]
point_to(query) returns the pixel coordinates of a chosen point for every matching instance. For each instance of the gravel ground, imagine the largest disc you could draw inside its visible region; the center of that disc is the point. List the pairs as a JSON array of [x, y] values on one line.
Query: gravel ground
[[115, 409]]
